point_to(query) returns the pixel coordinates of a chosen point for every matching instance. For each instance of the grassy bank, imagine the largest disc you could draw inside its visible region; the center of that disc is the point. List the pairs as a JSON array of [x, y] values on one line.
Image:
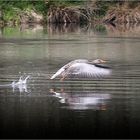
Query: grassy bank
[[11, 11], [18, 11]]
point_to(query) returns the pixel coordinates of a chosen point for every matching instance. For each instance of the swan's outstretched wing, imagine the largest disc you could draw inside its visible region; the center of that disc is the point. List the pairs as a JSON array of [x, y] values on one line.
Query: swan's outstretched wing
[[62, 69], [84, 70]]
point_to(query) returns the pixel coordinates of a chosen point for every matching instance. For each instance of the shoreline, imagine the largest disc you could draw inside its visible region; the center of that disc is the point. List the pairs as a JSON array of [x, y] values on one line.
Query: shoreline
[[57, 13]]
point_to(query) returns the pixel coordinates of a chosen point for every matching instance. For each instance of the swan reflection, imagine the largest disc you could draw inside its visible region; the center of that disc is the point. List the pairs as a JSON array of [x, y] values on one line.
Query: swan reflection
[[83, 100]]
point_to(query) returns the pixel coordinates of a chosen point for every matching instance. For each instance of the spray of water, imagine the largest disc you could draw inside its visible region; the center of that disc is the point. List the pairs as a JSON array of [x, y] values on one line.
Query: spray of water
[[21, 84]]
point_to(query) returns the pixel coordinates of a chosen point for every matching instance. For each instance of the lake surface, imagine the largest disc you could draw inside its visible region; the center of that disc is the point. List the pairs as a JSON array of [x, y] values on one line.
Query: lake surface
[[77, 108]]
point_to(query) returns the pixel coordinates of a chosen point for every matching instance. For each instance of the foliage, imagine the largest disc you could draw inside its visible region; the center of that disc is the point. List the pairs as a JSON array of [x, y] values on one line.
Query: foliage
[[65, 2], [11, 9]]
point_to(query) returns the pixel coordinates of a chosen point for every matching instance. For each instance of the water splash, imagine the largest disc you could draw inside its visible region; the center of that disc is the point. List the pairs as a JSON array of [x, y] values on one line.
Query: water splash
[[21, 81], [21, 84]]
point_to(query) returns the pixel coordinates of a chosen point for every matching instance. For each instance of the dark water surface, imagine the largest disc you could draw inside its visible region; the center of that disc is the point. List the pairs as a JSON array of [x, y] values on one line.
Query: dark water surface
[[98, 108]]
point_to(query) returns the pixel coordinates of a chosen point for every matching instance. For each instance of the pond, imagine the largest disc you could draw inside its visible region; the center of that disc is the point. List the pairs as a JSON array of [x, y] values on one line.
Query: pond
[[78, 108]]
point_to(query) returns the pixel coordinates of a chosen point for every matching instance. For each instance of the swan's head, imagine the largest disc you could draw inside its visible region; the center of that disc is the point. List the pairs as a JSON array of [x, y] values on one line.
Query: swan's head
[[98, 61]]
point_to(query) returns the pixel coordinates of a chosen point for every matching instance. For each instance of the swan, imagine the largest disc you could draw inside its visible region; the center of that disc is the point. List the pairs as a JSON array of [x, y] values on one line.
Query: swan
[[83, 68]]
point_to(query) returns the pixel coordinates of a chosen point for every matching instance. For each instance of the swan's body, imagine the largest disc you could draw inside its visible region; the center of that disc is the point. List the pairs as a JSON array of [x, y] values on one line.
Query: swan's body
[[83, 68]]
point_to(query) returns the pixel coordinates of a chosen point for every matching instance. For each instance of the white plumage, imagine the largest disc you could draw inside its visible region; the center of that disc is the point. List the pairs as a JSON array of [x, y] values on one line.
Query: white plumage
[[82, 68]]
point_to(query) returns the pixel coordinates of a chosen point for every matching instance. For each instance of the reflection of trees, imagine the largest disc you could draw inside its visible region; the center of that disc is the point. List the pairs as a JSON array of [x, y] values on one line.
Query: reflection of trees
[[113, 29], [62, 28], [30, 27], [123, 29], [74, 27], [110, 29]]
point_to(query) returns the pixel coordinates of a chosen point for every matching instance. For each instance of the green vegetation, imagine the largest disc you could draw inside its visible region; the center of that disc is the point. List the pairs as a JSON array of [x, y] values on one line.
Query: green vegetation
[[12, 10], [22, 5], [65, 2]]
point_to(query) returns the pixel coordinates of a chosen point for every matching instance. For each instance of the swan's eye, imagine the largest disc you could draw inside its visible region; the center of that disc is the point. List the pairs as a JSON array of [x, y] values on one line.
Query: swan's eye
[[65, 68]]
